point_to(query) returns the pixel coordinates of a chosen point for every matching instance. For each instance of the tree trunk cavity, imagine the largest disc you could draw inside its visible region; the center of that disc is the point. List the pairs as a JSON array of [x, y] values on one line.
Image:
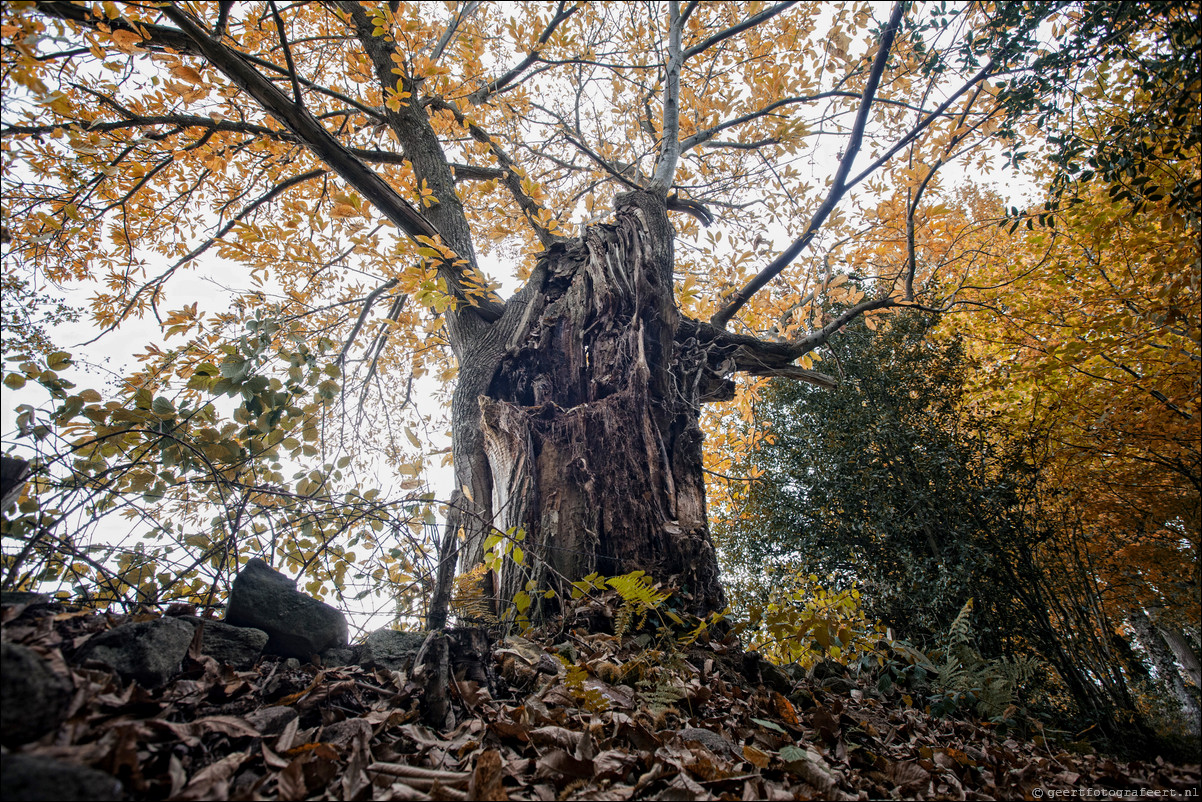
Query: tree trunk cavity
[[576, 419]]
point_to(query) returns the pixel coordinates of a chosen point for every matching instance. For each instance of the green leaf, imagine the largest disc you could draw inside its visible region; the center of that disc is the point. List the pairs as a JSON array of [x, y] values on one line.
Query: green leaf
[[770, 725], [163, 407], [792, 754]]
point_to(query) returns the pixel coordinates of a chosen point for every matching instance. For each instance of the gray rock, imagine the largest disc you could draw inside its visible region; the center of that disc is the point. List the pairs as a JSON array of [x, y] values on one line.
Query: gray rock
[[825, 669], [297, 625], [390, 649], [9, 598], [239, 647], [340, 656], [24, 778], [149, 652], [838, 685], [13, 473], [34, 698], [716, 742]]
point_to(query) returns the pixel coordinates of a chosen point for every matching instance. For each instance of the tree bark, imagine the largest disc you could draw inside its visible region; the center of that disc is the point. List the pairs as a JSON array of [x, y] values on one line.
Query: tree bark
[[576, 419], [1166, 668]]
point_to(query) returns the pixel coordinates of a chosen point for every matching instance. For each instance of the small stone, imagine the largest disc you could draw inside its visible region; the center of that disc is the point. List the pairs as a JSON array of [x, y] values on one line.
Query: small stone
[[716, 742], [34, 698], [824, 669], [838, 685], [149, 652]]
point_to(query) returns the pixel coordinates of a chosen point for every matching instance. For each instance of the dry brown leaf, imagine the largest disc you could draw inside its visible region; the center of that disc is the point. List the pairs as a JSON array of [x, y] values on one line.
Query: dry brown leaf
[[290, 782], [186, 73], [485, 783], [756, 757], [613, 764], [906, 775], [213, 781], [557, 764]]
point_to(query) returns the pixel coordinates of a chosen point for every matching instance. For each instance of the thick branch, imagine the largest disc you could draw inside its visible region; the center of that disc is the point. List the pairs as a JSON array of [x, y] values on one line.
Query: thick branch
[[669, 145], [312, 133], [839, 184], [409, 121]]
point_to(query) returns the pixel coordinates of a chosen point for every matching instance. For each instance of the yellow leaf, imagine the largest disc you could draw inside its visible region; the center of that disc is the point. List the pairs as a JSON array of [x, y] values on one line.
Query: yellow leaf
[[186, 73], [126, 40]]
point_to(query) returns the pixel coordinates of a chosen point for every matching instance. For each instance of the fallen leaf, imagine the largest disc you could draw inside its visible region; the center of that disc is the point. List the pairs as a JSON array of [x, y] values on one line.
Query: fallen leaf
[[485, 783]]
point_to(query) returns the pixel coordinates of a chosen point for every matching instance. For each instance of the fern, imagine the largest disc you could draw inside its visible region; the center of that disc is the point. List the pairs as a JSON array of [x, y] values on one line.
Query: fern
[[639, 597], [591, 699], [960, 632], [658, 693], [964, 676], [469, 602]]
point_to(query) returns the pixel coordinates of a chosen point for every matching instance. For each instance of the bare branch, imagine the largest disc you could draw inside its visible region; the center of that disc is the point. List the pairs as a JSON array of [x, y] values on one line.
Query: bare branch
[[157, 282], [734, 30], [367, 305], [981, 75], [279, 25], [838, 186], [483, 93], [819, 338], [453, 28]]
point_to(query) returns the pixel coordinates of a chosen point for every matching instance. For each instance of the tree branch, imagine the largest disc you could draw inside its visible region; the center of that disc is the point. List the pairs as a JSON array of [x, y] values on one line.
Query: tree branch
[[154, 284], [408, 119], [307, 129], [669, 143], [279, 25], [734, 30], [367, 305], [839, 184], [453, 28], [492, 87], [509, 172]]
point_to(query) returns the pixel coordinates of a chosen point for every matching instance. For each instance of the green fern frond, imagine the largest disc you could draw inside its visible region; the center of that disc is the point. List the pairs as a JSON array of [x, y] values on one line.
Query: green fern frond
[[960, 631], [636, 588], [659, 694]]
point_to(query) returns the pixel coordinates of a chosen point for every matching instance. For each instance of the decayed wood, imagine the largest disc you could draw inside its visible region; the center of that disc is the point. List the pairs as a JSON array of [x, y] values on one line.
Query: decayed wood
[[590, 419]]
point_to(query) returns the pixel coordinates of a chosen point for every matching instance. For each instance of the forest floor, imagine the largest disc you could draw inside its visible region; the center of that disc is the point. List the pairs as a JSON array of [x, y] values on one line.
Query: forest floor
[[568, 714]]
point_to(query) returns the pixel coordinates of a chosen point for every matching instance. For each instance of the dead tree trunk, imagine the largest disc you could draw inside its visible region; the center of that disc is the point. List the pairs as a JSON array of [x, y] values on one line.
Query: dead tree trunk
[[576, 419]]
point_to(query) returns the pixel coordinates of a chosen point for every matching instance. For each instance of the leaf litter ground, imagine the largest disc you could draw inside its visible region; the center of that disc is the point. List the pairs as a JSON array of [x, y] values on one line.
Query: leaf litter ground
[[570, 715]]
